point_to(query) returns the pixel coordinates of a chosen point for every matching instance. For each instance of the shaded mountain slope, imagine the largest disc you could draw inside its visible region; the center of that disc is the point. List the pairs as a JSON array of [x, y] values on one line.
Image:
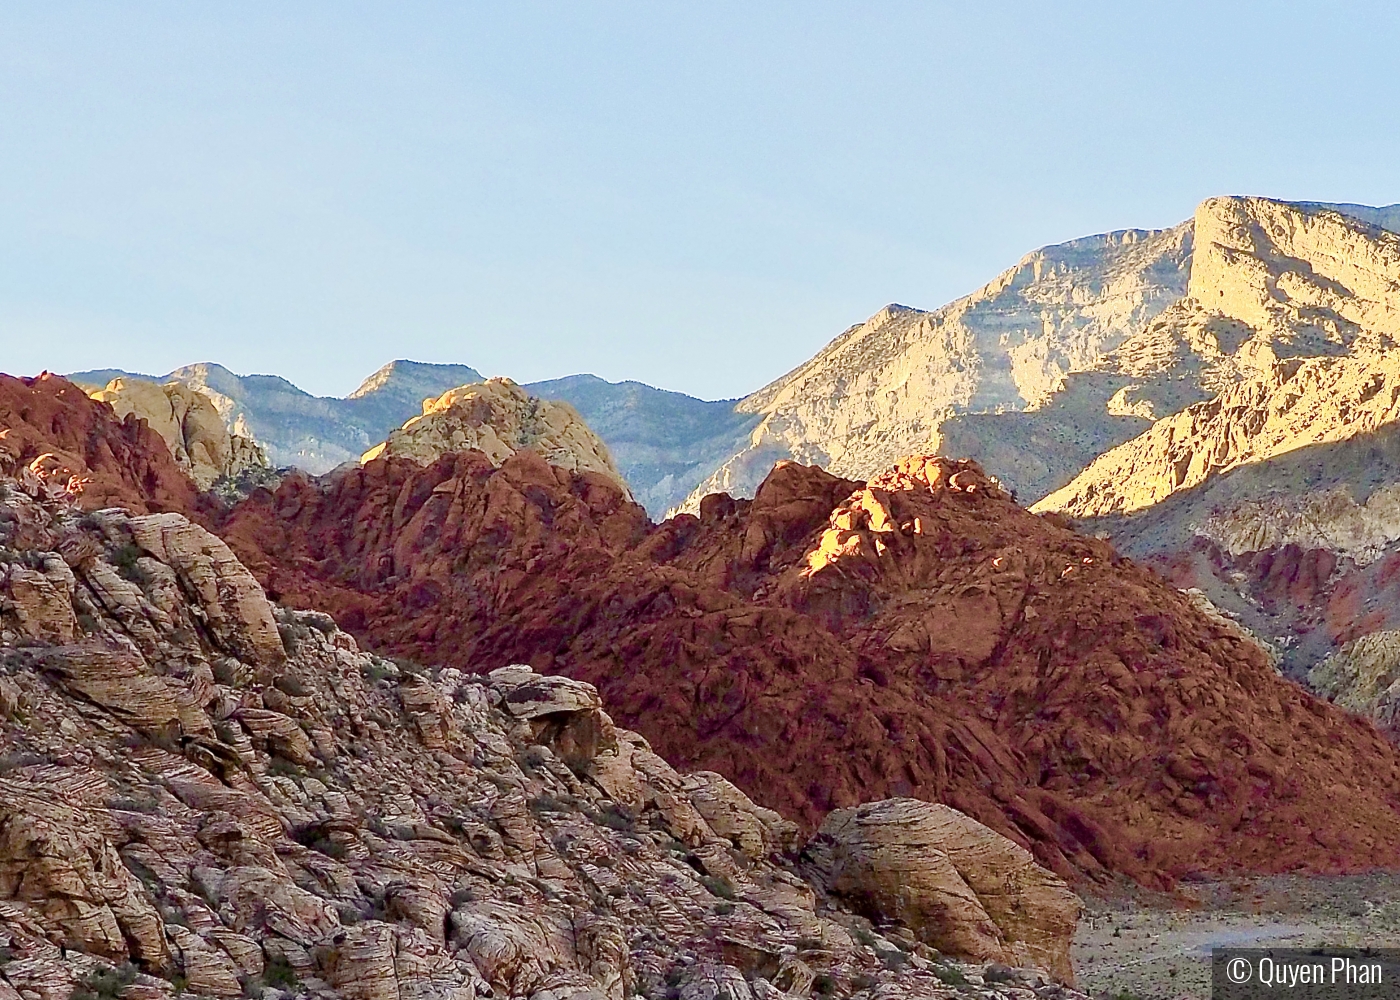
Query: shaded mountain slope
[[664, 442]]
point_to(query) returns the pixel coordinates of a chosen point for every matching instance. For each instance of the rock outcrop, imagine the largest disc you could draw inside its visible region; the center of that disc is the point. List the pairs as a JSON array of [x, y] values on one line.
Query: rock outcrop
[[1300, 403], [498, 419], [833, 642], [185, 809], [49, 425], [956, 885], [189, 424]]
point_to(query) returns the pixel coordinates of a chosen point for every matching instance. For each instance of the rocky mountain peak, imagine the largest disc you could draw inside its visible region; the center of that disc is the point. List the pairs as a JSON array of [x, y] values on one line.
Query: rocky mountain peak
[[499, 418]]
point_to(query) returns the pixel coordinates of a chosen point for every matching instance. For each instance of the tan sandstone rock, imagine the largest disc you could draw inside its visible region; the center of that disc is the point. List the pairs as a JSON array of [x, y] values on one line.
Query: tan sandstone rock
[[234, 606], [957, 885], [189, 424], [499, 418]]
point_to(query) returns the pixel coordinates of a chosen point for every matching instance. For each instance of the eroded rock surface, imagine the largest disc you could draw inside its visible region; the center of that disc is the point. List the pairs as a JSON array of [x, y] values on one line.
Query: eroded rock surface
[[955, 884], [498, 418], [834, 642], [191, 427], [185, 809]]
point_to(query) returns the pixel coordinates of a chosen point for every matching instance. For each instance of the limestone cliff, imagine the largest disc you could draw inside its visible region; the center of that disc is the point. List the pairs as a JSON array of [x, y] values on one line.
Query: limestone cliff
[[191, 427], [885, 387], [498, 418]]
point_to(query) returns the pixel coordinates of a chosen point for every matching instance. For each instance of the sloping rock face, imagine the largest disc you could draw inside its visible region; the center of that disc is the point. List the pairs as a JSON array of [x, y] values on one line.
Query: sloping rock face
[[189, 425], [187, 808], [50, 425], [498, 419], [1274, 493], [1303, 403], [884, 387], [834, 642]]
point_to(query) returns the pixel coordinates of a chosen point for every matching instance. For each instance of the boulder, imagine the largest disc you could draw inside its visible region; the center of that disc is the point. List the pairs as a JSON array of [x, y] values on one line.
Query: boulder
[[234, 607], [957, 885]]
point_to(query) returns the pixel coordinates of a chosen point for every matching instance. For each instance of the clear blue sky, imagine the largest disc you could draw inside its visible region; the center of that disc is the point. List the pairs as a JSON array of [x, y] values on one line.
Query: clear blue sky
[[694, 195]]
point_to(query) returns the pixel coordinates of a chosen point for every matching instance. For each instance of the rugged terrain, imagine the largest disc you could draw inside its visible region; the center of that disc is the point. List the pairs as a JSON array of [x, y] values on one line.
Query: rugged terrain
[[498, 418], [204, 794], [663, 442], [315, 433], [885, 387], [832, 642], [190, 426]]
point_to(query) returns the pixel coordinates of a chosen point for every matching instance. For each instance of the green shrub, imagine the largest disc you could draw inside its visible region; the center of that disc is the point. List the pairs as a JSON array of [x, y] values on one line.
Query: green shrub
[[106, 983], [718, 886], [278, 972], [126, 559]]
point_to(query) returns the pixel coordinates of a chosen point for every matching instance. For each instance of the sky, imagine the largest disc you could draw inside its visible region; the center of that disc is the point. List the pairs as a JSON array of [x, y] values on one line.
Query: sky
[[696, 196]]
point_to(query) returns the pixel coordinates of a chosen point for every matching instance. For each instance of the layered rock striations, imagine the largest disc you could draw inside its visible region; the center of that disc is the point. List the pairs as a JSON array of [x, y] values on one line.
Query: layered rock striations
[[832, 642], [204, 794], [190, 426], [885, 387], [498, 418]]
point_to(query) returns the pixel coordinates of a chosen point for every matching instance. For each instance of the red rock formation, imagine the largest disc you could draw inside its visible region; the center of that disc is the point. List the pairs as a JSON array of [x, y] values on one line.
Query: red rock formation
[[831, 643], [50, 420]]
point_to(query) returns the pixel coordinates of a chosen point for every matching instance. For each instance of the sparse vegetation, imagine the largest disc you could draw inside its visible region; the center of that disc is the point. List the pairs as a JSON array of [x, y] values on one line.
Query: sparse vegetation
[[106, 983]]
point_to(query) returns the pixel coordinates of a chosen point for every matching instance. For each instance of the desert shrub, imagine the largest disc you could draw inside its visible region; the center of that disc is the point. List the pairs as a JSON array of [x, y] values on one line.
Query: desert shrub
[[718, 886], [281, 767], [19, 758], [278, 972], [950, 975], [127, 560], [290, 685], [106, 983], [615, 817], [547, 803]]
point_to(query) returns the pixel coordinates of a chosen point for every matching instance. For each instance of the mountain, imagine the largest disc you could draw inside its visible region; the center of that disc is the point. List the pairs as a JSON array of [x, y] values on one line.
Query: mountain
[[886, 387], [832, 642], [664, 442], [1286, 455], [314, 433], [204, 794], [498, 418]]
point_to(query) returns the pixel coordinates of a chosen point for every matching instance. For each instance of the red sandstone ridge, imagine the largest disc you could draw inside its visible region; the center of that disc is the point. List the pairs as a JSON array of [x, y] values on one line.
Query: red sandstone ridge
[[832, 642], [52, 421]]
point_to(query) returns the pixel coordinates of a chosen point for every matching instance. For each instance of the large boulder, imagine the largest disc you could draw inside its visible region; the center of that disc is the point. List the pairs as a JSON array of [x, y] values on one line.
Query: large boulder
[[230, 600], [957, 885]]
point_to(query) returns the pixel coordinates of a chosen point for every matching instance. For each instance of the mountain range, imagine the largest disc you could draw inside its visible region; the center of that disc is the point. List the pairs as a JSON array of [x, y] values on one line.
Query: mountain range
[[1214, 396], [1085, 581]]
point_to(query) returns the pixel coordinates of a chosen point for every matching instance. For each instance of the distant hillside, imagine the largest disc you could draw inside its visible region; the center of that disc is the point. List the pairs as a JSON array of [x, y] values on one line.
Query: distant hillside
[[664, 443], [315, 433]]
